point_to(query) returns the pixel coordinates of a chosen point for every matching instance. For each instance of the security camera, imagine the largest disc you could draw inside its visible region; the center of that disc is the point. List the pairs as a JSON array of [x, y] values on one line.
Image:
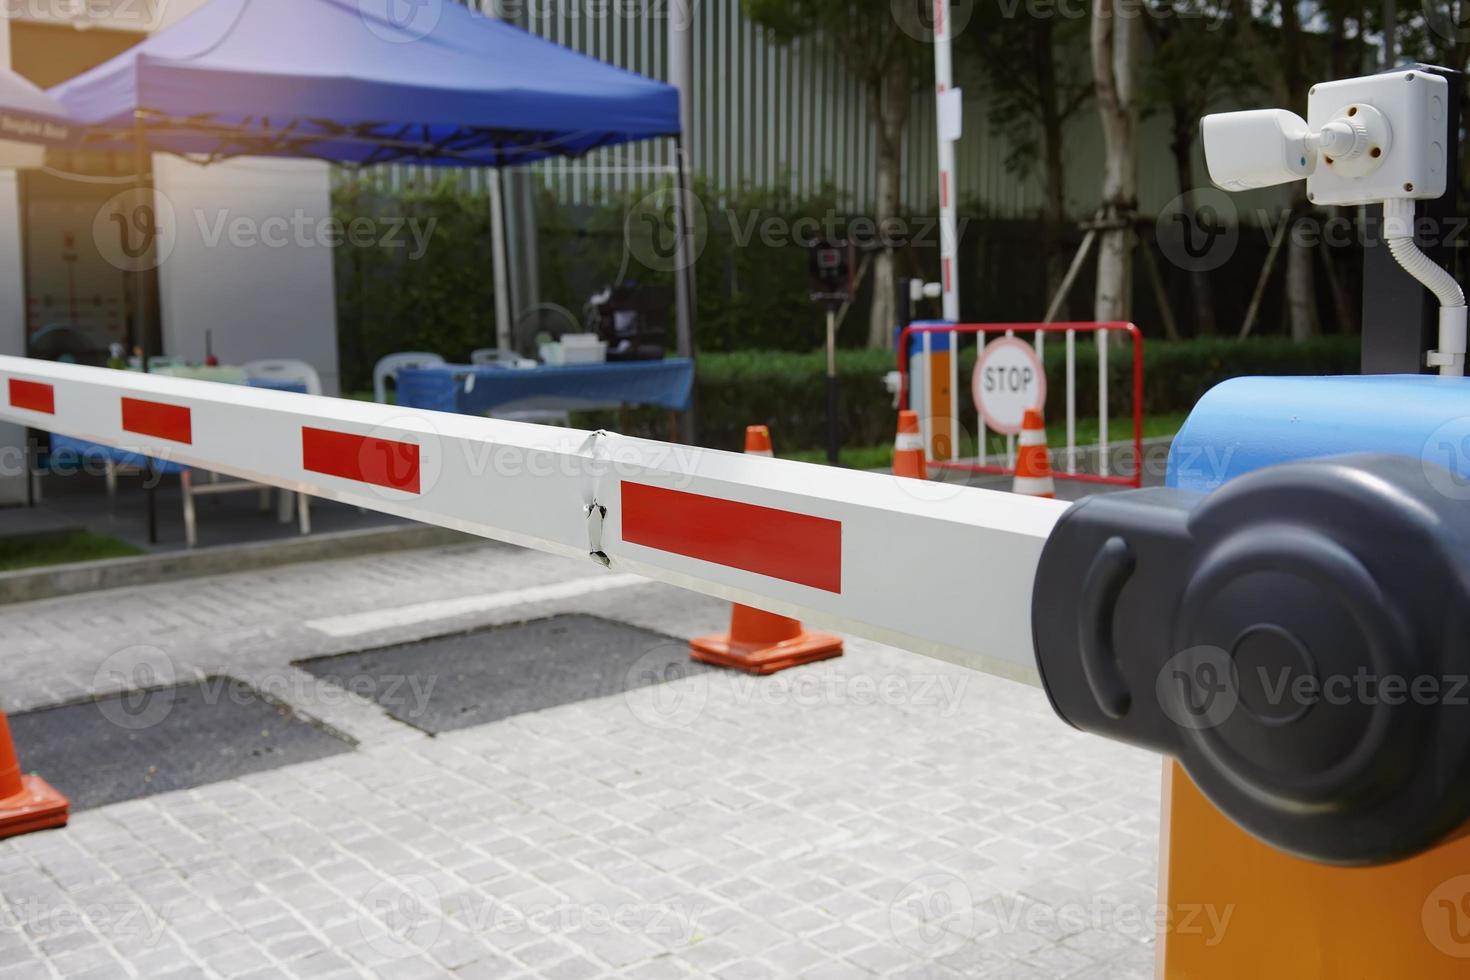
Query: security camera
[[1364, 140], [1376, 139], [1258, 148]]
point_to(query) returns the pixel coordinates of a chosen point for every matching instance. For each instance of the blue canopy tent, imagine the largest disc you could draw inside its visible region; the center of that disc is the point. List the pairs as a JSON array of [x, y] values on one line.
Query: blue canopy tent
[[344, 81], [341, 80], [28, 115]]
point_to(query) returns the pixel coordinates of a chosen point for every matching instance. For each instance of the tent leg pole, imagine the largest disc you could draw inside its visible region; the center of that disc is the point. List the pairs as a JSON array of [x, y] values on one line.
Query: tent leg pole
[[683, 280], [142, 182], [503, 337]]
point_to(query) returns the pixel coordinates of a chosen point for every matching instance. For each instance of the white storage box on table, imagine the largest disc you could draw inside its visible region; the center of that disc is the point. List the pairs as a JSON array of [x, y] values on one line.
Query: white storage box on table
[[575, 348]]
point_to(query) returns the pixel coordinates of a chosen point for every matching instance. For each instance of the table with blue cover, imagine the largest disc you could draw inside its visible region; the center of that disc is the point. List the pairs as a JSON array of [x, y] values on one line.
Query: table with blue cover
[[476, 389], [69, 454]]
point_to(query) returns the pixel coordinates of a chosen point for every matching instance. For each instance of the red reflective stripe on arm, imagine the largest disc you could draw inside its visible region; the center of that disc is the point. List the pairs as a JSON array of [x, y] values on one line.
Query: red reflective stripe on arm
[[780, 544], [33, 395], [366, 459], [172, 422]]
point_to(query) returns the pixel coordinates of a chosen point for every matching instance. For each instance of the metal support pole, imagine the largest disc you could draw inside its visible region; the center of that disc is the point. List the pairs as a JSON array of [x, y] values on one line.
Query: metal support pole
[[683, 282], [142, 308], [948, 220], [681, 76], [834, 438], [503, 333]]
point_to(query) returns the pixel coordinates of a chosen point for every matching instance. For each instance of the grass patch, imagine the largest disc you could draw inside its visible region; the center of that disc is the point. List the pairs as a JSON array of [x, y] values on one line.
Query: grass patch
[[881, 457], [74, 546]]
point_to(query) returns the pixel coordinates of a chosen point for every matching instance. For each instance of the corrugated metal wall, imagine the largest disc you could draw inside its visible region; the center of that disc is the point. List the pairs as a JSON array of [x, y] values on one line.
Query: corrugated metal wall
[[770, 115]]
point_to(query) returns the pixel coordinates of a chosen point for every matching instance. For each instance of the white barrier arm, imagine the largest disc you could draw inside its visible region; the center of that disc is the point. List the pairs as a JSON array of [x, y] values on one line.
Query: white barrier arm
[[1144, 604], [940, 570]]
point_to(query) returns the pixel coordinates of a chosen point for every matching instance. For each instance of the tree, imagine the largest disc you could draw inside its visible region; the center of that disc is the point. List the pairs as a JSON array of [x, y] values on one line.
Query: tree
[[1035, 74], [1174, 84], [886, 61], [1114, 38], [1279, 55]]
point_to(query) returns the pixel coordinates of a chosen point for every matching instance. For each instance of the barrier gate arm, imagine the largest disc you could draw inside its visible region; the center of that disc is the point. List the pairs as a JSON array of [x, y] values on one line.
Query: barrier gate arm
[[1140, 612], [802, 540]]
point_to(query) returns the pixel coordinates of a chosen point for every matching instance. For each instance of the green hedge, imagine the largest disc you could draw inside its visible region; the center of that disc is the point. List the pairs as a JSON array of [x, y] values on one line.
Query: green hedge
[[788, 391]]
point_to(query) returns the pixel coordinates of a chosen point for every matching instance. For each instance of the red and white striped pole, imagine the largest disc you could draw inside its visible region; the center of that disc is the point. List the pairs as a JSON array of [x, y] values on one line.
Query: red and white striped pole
[[948, 222]]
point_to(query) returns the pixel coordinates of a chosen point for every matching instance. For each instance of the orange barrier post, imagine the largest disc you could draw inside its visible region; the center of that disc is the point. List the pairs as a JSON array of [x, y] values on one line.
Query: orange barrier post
[[1033, 462], [1236, 907], [908, 448], [27, 803], [760, 642]]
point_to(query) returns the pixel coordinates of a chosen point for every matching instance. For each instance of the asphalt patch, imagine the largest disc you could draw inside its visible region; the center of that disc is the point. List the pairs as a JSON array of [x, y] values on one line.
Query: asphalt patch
[[453, 682], [137, 744]]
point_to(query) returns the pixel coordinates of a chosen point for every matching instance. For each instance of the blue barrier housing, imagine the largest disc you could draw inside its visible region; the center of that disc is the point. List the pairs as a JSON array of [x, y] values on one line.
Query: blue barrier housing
[[1247, 423]]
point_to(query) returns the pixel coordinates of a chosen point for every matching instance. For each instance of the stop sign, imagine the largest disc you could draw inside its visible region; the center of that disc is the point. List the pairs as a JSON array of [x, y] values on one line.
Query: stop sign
[[1008, 380]]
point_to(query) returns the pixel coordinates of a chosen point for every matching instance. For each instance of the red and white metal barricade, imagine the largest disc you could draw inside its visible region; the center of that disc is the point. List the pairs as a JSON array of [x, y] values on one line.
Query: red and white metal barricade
[[811, 542], [1066, 468]]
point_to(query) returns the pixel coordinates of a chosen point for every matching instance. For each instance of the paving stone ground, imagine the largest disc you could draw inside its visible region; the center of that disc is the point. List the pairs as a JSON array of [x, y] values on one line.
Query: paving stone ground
[[877, 815]]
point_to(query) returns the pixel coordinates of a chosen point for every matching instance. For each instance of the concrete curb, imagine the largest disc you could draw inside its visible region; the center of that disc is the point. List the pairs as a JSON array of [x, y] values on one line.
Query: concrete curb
[[49, 582]]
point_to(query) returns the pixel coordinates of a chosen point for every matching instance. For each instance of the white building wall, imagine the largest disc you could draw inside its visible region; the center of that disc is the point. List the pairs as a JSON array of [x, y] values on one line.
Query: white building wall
[[252, 263], [12, 310]]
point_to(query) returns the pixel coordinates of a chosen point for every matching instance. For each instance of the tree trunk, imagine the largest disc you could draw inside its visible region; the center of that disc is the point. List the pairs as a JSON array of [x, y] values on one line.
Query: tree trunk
[[889, 98], [1301, 278], [1054, 219], [1114, 53], [1182, 146]]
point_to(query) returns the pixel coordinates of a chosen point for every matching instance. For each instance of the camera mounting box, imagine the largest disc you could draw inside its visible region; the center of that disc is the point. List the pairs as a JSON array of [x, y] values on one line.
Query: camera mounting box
[[1407, 133]]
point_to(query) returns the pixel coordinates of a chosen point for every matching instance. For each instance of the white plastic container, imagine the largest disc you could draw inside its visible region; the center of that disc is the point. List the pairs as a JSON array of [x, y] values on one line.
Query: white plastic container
[[575, 348]]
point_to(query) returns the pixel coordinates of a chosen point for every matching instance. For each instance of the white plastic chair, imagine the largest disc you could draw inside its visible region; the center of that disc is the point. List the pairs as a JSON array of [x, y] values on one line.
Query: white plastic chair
[[285, 370], [389, 367]]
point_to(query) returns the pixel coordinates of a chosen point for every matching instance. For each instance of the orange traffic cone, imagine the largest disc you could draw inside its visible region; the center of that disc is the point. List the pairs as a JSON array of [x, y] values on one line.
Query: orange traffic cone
[[908, 447], [27, 803], [758, 441], [1033, 464], [760, 642]]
